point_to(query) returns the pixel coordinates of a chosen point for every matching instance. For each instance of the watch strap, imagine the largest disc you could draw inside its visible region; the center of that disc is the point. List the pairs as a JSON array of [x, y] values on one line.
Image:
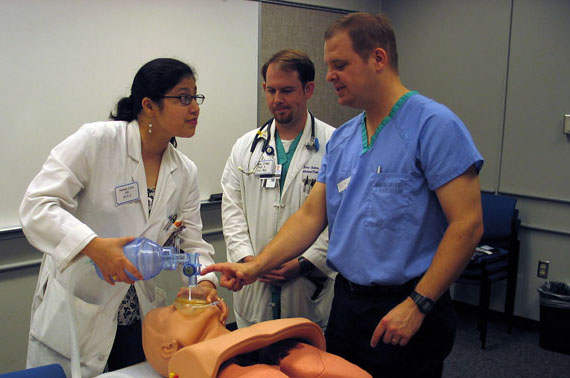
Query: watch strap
[[305, 265], [425, 304]]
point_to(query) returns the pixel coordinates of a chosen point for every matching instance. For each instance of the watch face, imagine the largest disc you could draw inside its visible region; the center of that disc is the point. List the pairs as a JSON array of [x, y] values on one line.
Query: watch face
[[425, 305]]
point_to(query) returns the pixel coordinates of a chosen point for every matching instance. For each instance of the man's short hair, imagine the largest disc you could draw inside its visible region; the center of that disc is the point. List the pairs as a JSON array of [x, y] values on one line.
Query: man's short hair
[[292, 61], [367, 31]]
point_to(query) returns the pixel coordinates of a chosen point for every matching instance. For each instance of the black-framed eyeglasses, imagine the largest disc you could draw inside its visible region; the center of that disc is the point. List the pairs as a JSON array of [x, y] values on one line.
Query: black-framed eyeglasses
[[186, 99]]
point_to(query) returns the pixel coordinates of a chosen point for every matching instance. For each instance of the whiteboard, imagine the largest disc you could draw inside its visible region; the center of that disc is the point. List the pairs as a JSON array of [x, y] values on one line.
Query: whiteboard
[[64, 63]]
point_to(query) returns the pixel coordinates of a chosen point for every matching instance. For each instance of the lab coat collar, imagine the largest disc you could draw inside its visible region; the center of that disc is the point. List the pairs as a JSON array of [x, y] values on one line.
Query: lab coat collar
[[134, 141], [138, 175], [134, 148], [166, 185]]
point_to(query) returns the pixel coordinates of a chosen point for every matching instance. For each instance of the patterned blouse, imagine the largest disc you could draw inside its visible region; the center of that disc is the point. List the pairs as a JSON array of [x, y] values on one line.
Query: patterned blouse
[[129, 311]]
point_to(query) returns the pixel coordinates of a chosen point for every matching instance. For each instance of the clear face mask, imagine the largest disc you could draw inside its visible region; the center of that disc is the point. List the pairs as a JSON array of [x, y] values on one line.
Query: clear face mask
[[197, 302]]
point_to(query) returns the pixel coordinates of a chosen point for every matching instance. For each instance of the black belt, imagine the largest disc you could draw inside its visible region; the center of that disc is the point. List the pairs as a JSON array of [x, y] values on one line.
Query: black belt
[[404, 288]]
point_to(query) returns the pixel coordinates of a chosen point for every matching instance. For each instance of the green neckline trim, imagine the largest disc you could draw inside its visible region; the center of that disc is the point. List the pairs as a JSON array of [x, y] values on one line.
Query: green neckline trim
[[285, 158], [388, 118], [282, 156]]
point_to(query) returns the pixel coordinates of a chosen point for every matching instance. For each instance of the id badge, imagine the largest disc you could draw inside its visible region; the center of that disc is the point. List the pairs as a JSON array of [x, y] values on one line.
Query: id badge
[[127, 193], [265, 168], [270, 183]]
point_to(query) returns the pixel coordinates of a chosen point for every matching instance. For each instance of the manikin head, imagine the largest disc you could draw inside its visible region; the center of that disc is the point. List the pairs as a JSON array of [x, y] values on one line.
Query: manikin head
[[166, 330]]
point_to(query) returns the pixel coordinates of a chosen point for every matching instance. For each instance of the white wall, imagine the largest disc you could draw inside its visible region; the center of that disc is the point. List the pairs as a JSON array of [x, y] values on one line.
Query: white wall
[[66, 63], [372, 6]]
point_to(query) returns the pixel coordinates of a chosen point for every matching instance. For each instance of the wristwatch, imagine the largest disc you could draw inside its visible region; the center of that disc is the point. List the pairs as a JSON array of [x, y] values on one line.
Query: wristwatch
[[425, 305], [306, 266]]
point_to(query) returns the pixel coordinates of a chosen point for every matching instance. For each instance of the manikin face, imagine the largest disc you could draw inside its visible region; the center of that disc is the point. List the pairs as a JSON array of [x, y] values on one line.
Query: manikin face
[[166, 330], [285, 95], [174, 119], [351, 77]]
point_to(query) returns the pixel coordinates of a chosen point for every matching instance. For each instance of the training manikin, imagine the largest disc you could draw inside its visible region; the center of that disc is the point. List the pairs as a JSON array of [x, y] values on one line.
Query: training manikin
[[192, 341]]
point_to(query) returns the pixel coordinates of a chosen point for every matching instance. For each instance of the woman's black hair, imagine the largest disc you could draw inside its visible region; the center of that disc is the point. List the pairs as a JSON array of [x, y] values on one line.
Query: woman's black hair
[[153, 80]]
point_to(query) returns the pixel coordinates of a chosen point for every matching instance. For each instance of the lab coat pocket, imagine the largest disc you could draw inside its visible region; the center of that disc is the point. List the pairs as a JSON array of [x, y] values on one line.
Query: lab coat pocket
[[303, 298], [389, 201], [51, 322]]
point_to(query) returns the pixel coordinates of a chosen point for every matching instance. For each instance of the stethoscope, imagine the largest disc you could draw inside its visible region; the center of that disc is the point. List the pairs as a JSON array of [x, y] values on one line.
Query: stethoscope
[[265, 136]]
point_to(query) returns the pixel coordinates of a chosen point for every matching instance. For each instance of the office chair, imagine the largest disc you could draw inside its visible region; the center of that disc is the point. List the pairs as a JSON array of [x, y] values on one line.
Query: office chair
[[48, 371], [502, 224]]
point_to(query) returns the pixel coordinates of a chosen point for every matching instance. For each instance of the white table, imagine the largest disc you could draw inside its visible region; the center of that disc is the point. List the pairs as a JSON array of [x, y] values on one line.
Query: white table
[[140, 370]]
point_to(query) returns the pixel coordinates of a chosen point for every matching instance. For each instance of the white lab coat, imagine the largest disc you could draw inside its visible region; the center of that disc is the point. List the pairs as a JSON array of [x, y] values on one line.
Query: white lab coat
[[252, 215], [71, 201]]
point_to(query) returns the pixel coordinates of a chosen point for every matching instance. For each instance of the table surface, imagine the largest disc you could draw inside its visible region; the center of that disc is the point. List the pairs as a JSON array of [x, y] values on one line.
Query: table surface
[[140, 370]]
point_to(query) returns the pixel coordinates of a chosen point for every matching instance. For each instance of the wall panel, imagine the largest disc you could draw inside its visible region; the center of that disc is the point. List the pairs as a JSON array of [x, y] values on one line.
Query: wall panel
[[285, 27], [455, 51], [536, 152]]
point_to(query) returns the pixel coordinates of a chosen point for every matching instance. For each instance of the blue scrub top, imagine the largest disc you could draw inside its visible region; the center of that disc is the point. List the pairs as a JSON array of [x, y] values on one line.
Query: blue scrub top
[[385, 222]]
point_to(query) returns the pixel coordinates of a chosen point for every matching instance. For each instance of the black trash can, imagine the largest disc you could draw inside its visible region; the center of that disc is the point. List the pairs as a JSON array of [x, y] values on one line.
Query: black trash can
[[555, 316]]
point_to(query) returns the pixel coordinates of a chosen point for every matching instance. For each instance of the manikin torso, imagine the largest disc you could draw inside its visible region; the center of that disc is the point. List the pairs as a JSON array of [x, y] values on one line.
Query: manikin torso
[[196, 343]]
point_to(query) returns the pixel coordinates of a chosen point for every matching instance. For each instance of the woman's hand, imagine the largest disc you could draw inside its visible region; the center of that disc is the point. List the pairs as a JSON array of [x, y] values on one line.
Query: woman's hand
[[107, 254], [206, 289]]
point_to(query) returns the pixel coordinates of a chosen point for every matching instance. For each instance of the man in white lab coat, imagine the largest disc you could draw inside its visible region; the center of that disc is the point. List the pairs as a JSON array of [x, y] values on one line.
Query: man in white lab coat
[[267, 177]]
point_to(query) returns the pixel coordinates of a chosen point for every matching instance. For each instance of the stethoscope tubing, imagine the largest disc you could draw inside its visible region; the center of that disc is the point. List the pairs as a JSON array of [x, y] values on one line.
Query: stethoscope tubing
[[314, 144]]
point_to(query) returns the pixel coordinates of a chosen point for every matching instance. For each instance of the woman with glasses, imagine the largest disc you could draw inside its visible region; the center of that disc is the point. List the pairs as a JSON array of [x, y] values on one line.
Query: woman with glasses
[[105, 184]]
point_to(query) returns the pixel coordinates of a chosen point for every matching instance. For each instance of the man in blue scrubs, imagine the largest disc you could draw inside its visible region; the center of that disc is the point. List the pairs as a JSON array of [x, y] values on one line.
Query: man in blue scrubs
[[399, 190]]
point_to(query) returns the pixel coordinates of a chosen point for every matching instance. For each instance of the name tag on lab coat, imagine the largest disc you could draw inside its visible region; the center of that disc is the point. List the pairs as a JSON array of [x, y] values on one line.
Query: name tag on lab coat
[[127, 193], [265, 168]]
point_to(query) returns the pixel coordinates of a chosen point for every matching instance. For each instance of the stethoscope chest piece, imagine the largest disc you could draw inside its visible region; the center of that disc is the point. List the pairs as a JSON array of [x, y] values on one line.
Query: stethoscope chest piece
[[313, 145]]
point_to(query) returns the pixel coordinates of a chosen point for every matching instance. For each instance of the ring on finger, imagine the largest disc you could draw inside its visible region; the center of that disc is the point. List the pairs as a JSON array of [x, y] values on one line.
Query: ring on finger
[[394, 341], [115, 277]]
